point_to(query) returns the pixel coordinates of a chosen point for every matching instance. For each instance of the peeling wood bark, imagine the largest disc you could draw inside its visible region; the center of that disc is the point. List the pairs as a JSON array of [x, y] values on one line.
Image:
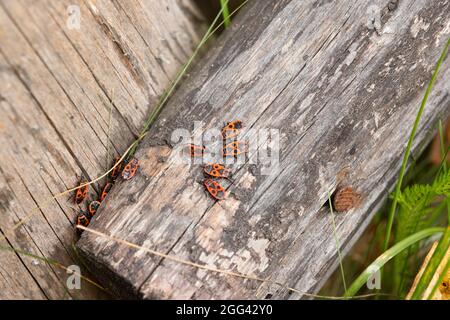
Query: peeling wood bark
[[344, 97], [58, 87]]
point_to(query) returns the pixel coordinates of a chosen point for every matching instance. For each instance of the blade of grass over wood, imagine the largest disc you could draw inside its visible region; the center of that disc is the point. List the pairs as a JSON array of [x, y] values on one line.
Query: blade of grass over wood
[[231, 273], [338, 246], [51, 262], [430, 270], [393, 207], [29, 214], [211, 30], [161, 103], [108, 136], [132, 148], [387, 256]]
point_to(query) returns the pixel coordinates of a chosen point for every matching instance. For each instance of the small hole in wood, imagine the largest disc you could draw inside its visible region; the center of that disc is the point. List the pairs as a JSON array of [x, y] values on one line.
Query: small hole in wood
[[352, 150], [268, 296], [327, 201]]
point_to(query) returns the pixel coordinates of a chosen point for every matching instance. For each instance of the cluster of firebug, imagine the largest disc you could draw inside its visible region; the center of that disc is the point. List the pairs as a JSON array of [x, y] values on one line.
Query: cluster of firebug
[[127, 170], [216, 171]]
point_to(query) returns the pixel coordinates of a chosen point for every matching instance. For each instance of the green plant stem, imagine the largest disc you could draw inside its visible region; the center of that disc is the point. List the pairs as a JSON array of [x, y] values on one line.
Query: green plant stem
[[338, 246], [436, 213], [398, 187], [388, 255], [430, 269], [440, 280], [225, 13], [442, 146], [444, 162], [447, 203]]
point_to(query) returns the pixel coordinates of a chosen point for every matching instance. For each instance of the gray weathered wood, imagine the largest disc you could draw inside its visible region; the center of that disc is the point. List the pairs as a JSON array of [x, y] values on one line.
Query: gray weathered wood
[[58, 87], [344, 97]]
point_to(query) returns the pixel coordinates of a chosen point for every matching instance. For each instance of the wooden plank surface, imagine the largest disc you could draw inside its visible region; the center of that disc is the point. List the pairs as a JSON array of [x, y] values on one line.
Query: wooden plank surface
[[343, 96], [67, 98]]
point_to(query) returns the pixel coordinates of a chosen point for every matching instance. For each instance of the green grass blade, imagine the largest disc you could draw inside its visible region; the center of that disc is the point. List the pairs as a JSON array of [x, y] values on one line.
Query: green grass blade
[[442, 144], [393, 208], [440, 280], [211, 30], [444, 161], [338, 246], [388, 255], [180, 75], [225, 13], [432, 265]]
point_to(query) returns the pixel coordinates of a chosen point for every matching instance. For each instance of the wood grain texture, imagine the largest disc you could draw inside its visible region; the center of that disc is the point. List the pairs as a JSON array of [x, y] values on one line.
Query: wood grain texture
[[63, 92], [344, 97]]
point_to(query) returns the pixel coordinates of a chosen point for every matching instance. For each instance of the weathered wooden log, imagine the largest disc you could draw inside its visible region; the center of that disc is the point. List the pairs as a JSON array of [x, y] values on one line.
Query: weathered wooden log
[[77, 78], [343, 89]]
